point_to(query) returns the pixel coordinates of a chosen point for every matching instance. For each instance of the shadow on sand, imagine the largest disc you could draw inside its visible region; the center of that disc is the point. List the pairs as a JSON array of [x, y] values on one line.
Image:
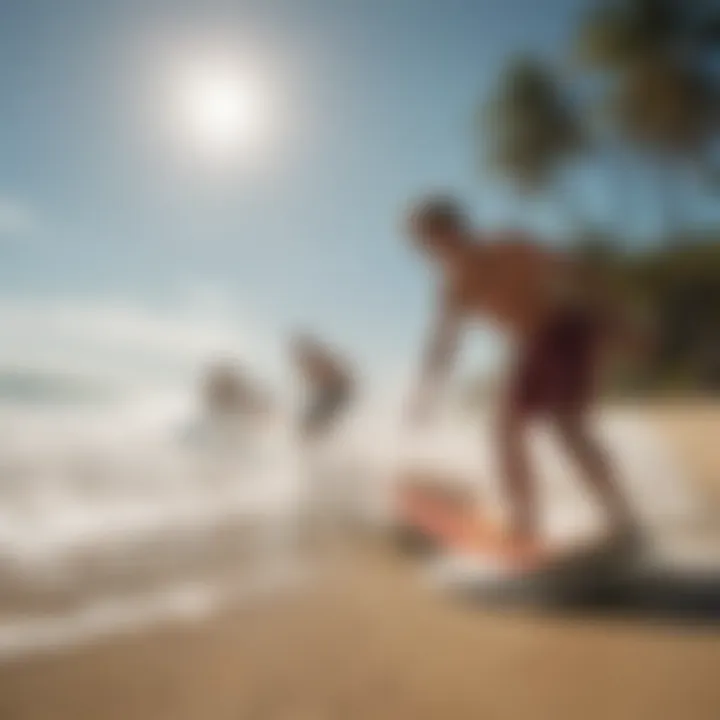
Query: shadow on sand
[[663, 597]]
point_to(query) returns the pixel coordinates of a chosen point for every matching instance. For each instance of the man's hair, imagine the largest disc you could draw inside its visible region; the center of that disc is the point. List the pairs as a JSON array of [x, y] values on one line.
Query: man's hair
[[438, 214]]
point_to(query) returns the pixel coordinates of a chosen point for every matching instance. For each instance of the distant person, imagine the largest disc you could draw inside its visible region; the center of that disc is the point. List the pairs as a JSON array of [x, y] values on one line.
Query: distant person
[[236, 410], [227, 390], [234, 403], [328, 384], [554, 311]]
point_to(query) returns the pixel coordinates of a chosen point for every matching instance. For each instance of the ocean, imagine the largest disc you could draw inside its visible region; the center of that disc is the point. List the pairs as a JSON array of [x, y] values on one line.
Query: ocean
[[127, 511]]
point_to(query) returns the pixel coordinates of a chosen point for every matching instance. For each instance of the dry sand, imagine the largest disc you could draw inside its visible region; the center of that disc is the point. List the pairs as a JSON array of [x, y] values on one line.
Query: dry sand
[[372, 644]]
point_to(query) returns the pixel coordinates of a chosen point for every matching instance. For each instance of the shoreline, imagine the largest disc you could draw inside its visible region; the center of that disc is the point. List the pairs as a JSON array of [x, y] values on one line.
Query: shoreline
[[374, 644], [369, 642]]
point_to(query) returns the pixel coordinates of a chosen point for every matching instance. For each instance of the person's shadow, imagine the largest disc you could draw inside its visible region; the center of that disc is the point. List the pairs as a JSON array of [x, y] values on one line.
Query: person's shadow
[[595, 584], [664, 595]]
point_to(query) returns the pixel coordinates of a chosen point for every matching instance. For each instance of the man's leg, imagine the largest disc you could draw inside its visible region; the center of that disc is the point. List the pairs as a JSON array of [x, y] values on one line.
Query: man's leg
[[595, 466], [517, 478]]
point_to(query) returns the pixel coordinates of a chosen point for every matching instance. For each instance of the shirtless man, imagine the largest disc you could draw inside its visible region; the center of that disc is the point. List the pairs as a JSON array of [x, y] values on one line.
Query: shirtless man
[[328, 381], [547, 305]]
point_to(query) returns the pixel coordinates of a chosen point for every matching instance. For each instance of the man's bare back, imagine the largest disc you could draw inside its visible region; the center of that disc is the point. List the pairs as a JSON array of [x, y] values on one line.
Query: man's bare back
[[513, 283]]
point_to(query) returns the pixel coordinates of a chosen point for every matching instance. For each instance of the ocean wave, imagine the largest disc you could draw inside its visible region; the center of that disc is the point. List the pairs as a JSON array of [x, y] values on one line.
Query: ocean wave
[[137, 498]]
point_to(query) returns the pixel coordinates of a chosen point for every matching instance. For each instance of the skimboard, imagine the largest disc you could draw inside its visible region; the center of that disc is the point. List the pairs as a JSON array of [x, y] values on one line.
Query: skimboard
[[472, 554]]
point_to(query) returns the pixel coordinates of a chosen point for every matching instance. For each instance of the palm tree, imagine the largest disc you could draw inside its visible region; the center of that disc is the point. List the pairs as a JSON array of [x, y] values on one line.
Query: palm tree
[[616, 33], [528, 126], [663, 100]]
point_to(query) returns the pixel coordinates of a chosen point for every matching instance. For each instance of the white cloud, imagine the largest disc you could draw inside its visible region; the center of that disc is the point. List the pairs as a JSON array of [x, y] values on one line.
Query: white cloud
[[17, 219]]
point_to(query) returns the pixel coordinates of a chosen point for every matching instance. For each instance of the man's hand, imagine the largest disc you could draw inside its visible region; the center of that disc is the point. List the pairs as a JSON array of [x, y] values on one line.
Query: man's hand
[[439, 352]]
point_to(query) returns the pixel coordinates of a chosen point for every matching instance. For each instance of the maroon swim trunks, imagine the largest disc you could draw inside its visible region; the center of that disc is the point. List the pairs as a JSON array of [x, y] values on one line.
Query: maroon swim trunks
[[556, 371]]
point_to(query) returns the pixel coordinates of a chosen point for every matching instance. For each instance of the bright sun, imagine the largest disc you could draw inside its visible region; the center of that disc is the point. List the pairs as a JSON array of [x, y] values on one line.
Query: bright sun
[[221, 110]]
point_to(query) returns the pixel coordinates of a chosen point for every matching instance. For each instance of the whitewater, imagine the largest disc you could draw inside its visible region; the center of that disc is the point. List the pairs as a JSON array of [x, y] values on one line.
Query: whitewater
[[127, 514]]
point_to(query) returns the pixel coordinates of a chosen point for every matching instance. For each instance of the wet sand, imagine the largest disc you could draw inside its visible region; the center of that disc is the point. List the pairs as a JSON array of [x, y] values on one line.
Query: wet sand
[[372, 643]]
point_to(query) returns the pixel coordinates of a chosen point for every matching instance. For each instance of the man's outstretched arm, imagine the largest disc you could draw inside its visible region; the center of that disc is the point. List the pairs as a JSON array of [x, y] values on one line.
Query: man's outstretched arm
[[439, 353]]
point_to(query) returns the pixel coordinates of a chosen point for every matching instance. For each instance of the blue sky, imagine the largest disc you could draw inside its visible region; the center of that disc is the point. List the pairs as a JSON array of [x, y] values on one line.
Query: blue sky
[[375, 101]]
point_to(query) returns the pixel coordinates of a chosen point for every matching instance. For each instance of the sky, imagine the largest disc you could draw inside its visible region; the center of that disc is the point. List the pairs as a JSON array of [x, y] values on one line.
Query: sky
[[121, 249]]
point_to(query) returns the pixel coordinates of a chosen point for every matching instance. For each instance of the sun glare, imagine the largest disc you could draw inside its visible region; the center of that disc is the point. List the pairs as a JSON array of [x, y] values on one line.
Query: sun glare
[[221, 109]]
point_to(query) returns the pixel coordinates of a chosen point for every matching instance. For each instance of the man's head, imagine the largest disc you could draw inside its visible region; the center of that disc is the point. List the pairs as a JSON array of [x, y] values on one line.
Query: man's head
[[438, 225]]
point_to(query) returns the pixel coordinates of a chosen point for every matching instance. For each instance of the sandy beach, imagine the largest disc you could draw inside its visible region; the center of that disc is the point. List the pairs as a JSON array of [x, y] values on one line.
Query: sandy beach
[[371, 642]]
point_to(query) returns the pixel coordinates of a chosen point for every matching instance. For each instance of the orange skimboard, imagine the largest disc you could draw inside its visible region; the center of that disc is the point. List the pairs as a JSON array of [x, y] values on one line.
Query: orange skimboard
[[458, 529], [451, 521]]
